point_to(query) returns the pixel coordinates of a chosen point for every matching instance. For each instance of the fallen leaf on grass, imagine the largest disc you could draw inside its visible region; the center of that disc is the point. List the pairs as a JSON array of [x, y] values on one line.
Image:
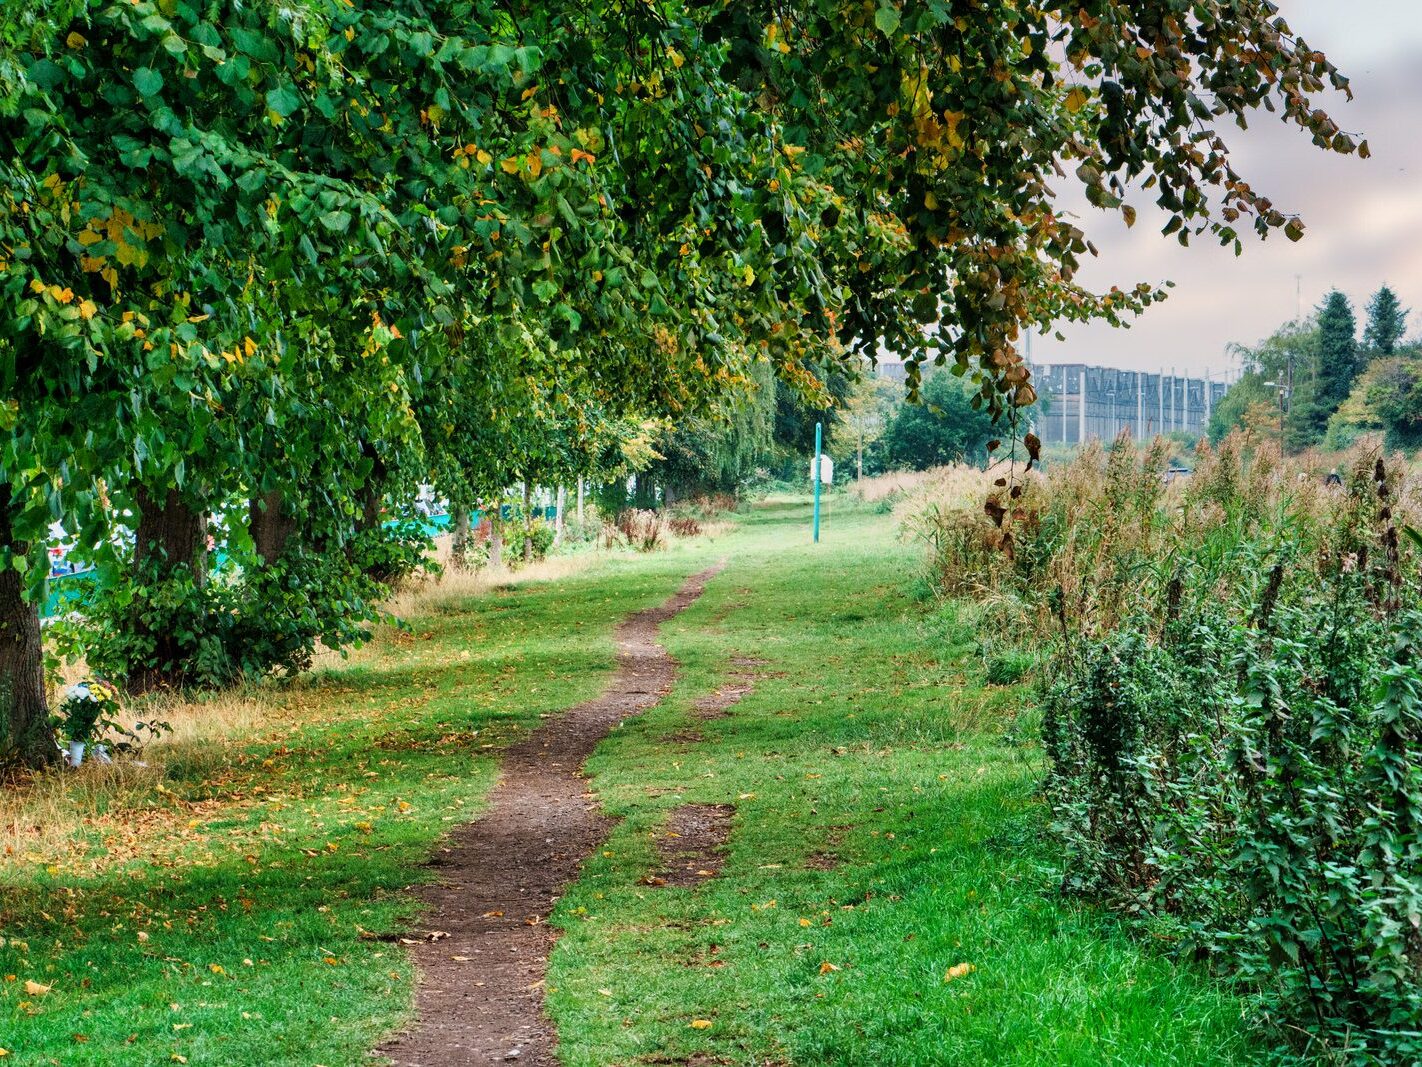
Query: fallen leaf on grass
[[827, 967], [701, 1024], [34, 988], [959, 970]]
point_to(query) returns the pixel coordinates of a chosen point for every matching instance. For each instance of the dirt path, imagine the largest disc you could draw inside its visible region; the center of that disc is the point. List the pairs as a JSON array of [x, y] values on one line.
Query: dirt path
[[482, 960]]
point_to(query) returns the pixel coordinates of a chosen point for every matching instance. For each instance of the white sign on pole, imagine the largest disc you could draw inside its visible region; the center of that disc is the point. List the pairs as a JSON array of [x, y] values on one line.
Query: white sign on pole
[[826, 470]]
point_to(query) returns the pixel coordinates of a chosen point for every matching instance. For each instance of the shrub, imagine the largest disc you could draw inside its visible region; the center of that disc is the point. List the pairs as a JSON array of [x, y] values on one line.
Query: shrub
[[684, 525], [637, 529], [1232, 717], [540, 532]]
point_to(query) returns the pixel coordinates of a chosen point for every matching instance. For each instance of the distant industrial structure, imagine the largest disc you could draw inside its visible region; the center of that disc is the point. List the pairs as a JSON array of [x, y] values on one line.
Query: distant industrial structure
[[1078, 402], [1083, 402]]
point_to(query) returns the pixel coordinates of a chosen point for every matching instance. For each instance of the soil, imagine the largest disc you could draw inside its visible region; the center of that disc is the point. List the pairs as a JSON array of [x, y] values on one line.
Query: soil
[[717, 705], [693, 846], [482, 961]]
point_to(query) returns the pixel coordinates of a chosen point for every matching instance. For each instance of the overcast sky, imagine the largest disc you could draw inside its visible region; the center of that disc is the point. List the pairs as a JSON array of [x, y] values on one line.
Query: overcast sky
[[1363, 217]]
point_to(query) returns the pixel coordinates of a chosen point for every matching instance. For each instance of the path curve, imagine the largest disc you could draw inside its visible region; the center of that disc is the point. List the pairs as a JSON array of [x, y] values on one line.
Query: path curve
[[481, 966]]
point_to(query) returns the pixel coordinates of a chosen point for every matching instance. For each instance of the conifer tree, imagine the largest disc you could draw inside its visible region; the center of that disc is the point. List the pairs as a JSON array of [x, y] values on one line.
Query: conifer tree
[[1387, 322]]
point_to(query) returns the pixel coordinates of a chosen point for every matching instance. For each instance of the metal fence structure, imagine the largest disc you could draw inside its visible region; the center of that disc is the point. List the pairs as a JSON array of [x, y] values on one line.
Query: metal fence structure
[[1082, 402], [1079, 402]]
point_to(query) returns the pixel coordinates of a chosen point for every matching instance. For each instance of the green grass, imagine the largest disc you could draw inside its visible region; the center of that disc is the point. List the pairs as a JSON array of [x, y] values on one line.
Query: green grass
[[870, 737], [207, 934]]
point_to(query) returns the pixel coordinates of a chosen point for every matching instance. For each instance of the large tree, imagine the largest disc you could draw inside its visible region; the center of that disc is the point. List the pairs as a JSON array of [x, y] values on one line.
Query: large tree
[[1387, 322], [1338, 360], [194, 198], [944, 428]]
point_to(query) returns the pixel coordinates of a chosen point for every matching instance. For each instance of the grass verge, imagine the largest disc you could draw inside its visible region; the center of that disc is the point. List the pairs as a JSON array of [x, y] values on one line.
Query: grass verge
[[886, 897], [234, 901]]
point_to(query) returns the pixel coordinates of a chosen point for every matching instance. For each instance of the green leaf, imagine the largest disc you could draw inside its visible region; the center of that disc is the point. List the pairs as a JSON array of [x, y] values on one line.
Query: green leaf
[[336, 221], [887, 20], [147, 80], [46, 73], [283, 100]]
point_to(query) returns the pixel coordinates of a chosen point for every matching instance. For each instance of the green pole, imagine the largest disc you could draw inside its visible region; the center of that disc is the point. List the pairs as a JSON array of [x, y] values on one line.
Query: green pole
[[819, 429]]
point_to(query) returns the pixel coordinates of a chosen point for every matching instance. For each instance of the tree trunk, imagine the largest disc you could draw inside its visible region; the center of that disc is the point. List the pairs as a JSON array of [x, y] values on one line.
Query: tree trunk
[[170, 533], [459, 540], [528, 522], [171, 538], [269, 525], [496, 537], [25, 735]]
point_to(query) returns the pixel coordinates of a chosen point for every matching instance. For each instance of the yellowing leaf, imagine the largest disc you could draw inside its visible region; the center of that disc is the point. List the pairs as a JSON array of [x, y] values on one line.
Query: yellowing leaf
[[701, 1024], [88, 309], [509, 165], [216, 968], [959, 970], [827, 967], [35, 989], [1075, 101]]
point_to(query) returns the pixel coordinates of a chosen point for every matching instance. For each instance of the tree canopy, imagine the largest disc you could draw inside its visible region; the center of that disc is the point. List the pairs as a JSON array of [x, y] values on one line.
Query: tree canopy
[[269, 265]]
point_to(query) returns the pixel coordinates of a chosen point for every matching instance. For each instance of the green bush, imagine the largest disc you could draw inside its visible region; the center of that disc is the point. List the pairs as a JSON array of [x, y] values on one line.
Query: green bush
[[242, 622], [540, 532], [1232, 714], [1238, 761]]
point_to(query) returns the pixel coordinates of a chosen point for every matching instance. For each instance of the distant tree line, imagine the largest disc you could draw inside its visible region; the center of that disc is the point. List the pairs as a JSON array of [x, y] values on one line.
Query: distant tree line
[[1317, 382]]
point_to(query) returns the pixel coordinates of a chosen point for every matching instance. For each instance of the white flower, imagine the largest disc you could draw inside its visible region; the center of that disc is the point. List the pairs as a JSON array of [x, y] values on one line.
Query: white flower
[[79, 692]]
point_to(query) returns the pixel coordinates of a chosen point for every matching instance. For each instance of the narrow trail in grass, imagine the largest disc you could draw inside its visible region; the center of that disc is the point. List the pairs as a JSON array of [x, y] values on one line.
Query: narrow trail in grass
[[483, 956]]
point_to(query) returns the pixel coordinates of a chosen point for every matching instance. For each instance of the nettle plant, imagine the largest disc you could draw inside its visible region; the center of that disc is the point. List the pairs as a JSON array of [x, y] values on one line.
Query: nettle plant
[[1238, 763]]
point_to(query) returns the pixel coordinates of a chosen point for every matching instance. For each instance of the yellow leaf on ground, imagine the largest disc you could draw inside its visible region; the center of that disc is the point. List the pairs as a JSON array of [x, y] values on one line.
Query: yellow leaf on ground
[[35, 989], [959, 970], [827, 967], [701, 1024]]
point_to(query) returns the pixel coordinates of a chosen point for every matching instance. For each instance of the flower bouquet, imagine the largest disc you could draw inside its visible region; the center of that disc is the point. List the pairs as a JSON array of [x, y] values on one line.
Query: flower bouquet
[[89, 709]]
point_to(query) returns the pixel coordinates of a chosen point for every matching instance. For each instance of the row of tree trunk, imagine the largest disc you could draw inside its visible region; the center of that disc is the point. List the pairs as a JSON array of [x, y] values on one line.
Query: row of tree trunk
[[171, 541]]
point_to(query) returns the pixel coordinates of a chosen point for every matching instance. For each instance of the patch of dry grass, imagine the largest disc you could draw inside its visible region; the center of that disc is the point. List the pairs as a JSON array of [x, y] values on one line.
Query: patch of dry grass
[[59, 814]]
